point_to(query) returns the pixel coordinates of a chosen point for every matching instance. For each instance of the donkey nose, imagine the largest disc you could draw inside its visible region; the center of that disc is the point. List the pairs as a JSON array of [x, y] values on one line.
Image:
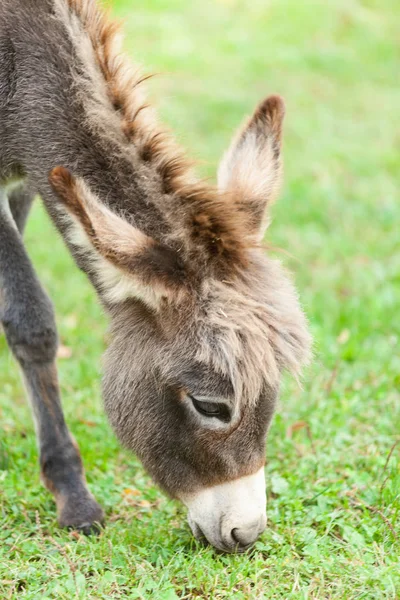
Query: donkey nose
[[244, 536], [231, 515]]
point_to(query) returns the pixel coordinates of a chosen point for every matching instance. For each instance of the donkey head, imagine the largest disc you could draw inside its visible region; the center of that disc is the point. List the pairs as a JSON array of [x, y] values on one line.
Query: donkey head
[[202, 325]]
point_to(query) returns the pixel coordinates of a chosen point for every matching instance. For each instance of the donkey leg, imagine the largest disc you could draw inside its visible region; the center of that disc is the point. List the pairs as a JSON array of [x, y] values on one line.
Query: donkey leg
[[28, 321], [20, 201]]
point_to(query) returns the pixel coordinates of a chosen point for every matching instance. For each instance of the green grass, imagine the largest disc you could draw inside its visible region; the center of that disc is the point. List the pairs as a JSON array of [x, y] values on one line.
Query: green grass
[[333, 454]]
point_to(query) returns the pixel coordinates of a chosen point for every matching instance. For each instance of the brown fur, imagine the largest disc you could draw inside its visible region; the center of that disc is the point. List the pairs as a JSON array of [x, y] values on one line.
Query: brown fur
[[152, 141], [214, 224], [271, 111]]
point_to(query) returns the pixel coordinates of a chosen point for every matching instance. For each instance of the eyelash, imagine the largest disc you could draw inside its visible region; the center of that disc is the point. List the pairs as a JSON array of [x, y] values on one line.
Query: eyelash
[[217, 410]]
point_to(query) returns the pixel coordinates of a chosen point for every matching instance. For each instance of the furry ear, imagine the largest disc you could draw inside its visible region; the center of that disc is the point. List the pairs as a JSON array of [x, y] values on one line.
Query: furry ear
[[251, 169], [125, 261]]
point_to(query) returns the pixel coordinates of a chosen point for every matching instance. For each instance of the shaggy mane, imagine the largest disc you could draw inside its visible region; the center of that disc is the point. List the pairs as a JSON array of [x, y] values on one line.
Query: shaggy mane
[[123, 81], [209, 211]]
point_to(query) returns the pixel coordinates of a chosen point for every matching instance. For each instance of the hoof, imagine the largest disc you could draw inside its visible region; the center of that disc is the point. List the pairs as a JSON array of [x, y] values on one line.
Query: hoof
[[82, 514], [94, 528]]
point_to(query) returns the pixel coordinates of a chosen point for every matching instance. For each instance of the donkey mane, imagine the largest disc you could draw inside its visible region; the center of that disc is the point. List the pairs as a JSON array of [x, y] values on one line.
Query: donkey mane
[[123, 80], [119, 93]]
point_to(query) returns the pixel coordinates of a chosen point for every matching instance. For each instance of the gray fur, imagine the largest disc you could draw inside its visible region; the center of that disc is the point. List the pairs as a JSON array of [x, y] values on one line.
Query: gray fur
[[20, 201], [195, 305], [27, 317]]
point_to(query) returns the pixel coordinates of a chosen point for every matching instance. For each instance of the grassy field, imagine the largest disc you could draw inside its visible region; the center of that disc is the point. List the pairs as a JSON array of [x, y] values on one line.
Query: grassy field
[[333, 468]]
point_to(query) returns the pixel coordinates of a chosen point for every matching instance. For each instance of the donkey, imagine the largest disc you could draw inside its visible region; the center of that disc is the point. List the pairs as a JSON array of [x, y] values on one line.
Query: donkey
[[203, 322]]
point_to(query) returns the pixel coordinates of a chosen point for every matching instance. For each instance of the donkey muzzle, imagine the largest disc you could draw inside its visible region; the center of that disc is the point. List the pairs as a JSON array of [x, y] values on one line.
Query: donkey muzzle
[[230, 516]]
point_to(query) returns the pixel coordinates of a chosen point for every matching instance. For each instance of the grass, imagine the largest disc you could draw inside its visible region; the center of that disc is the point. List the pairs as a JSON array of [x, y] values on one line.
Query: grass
[[333, 453]]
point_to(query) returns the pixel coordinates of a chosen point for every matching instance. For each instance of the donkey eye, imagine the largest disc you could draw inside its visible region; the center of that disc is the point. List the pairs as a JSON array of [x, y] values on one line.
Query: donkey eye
[[212, 409]]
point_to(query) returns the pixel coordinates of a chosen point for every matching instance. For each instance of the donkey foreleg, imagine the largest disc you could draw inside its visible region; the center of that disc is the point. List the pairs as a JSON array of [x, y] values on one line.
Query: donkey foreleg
[[28, 321], [20, 201]]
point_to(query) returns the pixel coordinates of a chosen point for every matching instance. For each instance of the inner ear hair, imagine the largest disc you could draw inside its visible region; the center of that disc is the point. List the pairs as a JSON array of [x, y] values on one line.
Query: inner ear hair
[[251, 168], [116, 240], [111, 236]]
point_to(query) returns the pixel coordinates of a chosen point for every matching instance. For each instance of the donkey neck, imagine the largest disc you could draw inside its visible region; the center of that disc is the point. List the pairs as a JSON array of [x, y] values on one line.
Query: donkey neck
[[59, 114]]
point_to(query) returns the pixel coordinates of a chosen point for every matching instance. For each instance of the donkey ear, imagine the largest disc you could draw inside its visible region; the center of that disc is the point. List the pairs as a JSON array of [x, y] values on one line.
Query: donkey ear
[[251, 169], [125, 261]]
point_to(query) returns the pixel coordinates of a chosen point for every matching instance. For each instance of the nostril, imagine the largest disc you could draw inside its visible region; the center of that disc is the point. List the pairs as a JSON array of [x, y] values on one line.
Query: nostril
[[245, 536], [235, 537]]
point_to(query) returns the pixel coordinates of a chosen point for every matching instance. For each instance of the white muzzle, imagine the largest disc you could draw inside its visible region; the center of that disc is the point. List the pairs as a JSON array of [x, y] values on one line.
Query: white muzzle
[[232, 515]]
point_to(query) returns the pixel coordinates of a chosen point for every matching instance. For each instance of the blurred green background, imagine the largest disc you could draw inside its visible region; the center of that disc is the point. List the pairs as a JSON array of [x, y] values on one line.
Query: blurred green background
[[333, 453]]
